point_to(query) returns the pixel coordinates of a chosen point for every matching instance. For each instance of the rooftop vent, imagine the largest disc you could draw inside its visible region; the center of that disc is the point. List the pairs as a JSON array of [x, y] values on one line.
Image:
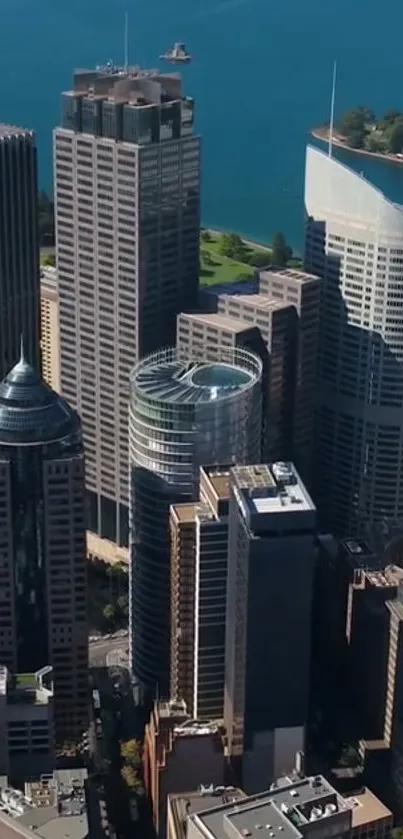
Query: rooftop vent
[[206, 790], [315, 781]]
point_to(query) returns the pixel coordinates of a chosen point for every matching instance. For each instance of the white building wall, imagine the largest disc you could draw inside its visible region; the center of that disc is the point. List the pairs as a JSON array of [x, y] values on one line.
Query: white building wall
[[354, 241]]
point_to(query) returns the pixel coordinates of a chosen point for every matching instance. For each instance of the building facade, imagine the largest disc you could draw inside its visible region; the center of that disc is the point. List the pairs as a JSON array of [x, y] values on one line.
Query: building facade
[[354, 241], [283, 305], [27, 738], [179, 753], [43, 609], [271, 548], [183, 414], [19, 249], [127, 202], [199, 560], [50, 328], [301, 291]]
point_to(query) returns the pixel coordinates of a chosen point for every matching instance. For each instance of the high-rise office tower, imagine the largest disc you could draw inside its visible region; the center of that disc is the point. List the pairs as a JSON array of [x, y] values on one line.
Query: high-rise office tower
[[354, 241], [271, 546], [284, 306], [301, 291], [19, 250], [199, 552], [127, 178], [43, 611], [183, 414]]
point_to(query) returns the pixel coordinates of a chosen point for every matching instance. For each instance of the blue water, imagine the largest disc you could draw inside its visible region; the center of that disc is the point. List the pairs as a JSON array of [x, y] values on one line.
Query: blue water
[[261, 77]]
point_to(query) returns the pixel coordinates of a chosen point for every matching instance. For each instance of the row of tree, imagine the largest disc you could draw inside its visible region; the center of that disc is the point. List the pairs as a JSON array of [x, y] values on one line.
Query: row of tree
[[131, 771], [363, 130], [233, 246]]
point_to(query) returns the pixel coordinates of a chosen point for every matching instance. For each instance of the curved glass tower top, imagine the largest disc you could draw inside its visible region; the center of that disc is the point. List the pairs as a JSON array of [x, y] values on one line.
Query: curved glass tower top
[[30, 411], [167, 378]]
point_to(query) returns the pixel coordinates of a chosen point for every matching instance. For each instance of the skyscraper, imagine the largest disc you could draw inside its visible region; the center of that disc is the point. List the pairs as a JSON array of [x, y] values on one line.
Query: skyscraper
[[183, 414], [271, 546], [43, 612], [199, 553], [19, 251], [127, 177], [354, 241]]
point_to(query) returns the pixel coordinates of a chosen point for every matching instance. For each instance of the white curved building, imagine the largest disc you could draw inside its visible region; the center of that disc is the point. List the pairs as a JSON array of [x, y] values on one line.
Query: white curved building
[[354, 241]]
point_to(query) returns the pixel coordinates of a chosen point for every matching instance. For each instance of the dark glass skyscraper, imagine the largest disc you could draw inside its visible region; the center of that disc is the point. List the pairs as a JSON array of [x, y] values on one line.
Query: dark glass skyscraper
[[19, 251], [43, 613]]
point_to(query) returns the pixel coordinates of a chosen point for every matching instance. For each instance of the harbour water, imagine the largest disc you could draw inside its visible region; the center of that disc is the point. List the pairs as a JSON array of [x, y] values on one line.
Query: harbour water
[[261, 76]]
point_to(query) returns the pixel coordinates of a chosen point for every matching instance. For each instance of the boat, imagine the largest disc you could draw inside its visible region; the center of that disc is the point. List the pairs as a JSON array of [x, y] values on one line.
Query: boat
[[177, 55]]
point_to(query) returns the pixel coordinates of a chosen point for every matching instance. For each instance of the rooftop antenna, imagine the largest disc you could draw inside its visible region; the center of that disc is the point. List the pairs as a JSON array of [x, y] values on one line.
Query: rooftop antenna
[[22, 350], [331, 127], [126, 41]]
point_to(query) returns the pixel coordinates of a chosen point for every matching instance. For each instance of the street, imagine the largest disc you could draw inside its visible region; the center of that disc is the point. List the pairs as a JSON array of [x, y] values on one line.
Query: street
[[99, 650]]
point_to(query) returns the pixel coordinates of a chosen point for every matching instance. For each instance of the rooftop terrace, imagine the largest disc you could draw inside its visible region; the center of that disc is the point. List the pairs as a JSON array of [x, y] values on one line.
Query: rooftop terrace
[[285, 810], [275, 488], [285, 274], [234, 325], [291, 808]]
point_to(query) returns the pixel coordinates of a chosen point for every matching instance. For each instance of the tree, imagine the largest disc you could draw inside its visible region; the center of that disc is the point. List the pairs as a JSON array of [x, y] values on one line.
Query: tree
[[397, 833], [391, 116], [131, 752], [354, 125], [231, 245], [122, 604], [260, 259], [281, 251], [396, 137], [130, 776], [356, 138], [50, 259], [205, 235], [109, 612], [132, 780], [376, 141]]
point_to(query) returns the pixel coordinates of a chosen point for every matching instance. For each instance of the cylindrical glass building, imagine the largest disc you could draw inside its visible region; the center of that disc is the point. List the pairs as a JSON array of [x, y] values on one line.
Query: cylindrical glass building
[[183, 414]]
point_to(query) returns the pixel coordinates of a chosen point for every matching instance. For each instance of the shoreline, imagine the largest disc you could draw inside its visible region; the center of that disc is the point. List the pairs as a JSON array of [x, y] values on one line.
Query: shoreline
[[249, 242], [322, 134]]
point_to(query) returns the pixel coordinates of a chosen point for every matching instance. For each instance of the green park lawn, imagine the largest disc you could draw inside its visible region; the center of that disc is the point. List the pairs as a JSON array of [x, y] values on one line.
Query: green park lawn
[[220, 269], [216, 268]]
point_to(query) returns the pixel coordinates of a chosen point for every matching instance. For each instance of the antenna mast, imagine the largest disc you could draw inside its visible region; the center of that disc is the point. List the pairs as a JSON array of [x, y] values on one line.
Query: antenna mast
[[126, 41], [331, 128]]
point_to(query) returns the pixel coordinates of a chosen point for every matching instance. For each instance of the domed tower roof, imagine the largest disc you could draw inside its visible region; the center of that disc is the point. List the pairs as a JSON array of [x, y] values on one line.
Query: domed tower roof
[[30, 411]]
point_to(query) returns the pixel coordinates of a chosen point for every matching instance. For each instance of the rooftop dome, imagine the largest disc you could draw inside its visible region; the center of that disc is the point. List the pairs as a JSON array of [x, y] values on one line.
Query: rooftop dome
[[30, 411]]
